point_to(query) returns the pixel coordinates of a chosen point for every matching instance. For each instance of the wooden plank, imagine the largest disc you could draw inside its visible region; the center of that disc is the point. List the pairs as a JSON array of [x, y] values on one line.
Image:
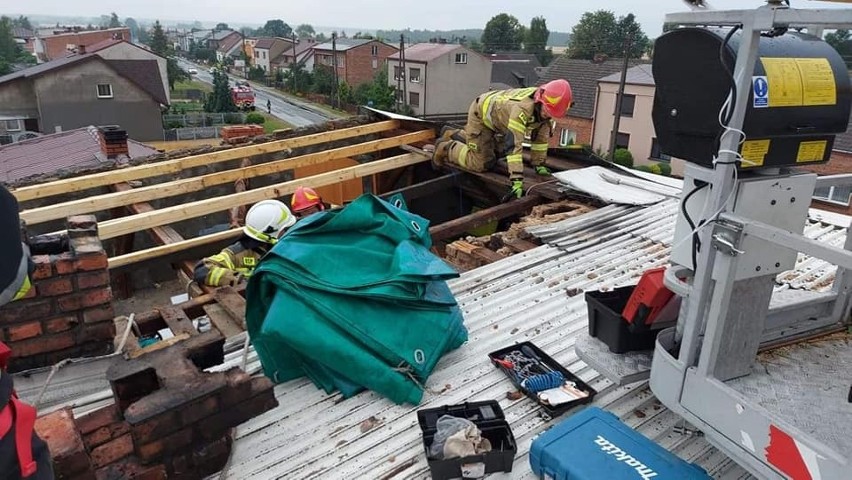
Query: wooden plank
[[129, 196], [519, 245], [459, 226], [177, 320], [142, 255], [165, 216], [85, 182], [232, 303], [221, 320], [159, 345]]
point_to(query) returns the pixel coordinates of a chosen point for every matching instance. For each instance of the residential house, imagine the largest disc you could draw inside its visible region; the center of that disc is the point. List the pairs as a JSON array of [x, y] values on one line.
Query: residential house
[[194, 37], [25, 38], [290, 55], [70, 150], [358, 60], [59, 45], [268, 48], [576, 127], [636, 127], [124, 50], [248, 47], [439, 78], [219, 38], [229, 48], [514, 70], [87, 89]]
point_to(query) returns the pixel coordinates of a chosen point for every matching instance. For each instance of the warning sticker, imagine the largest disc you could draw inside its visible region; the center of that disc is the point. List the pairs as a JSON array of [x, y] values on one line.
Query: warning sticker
[[785, 82], [796, 82], [753, 152], [817, 82], [811, 151]]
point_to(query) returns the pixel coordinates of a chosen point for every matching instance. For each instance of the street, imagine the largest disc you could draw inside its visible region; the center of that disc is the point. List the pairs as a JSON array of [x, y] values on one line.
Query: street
[[282, 108]]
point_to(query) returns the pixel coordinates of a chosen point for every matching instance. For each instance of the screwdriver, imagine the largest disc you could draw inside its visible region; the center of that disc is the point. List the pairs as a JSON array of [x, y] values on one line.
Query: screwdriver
[[530, 353]]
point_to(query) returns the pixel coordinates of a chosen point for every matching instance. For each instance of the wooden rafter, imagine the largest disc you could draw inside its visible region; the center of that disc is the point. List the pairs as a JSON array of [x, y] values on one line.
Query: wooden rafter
[[94, 180]]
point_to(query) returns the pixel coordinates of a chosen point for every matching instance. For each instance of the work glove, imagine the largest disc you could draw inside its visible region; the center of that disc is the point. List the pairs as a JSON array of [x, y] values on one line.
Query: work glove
[[517, 188], [542, 170]]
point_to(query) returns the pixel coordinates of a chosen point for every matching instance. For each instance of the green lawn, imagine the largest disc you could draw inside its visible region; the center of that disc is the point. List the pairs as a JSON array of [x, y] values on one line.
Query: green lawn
[[273, 123], [181, 88]]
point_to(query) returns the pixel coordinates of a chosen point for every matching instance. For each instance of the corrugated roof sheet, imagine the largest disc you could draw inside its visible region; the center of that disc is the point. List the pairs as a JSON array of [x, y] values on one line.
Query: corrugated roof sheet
[[425, 52], [583, 76], [57, 152]]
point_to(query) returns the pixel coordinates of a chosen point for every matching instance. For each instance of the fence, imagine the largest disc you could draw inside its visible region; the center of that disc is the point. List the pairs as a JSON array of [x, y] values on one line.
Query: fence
[[190, 133], [202, 119]]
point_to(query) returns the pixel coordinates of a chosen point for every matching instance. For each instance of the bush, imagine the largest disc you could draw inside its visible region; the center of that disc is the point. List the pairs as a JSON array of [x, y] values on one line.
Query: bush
[[655, 168], [623, 157], [255, 119], [643, 168], [174, 124], [233, 118], [665, 169]]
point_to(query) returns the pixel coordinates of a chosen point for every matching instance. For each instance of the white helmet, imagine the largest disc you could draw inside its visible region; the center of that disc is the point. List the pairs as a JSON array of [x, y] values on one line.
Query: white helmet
[[267, 219]]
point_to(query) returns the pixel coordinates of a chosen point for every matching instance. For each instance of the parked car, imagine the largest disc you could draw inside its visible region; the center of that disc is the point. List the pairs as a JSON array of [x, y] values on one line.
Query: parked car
[[193, 71]]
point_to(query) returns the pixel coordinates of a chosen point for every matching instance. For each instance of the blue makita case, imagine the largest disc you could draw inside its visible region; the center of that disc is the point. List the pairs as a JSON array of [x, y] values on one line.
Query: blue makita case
[[595, 444]]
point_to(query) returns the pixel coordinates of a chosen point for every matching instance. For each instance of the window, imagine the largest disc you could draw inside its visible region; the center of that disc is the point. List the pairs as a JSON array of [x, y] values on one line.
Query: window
[[104, 90], [396, 73], [257, 54], [264, 54], [399, 98], [461, 58], [414, 75], [567, 137], [341, 60], [414, 99], [622, 140], [374, 50], [627, 104], [657, 154], [13, 125], [839, 195]]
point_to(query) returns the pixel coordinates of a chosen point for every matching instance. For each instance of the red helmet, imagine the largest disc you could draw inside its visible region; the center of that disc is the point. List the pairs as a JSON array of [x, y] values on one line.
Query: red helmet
[[556, 97], [305, 198]]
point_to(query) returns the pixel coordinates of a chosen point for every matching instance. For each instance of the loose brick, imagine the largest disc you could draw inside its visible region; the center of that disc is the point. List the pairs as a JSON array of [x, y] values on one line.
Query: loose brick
[[93, 261], [97, 419], [83, 222], [43, 267], [112, 451], [99, 314], [218, 425], [92, 280], [200, 409], [94, 332], [65, 444], [64, 263], [23, 331], [93, 298], [171, 445], [61, 324], [155, 428], [43, 344], [106, 433], [26, 310], [55, 287]]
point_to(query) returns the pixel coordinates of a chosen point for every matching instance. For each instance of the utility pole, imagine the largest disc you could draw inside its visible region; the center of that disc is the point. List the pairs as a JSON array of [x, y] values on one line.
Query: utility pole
[[293, 65], [404, 75], [400, 79], [335, 93], [616, 123]]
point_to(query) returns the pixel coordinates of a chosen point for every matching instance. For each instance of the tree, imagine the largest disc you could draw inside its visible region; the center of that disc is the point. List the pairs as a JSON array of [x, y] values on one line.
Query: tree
[[144, 34], [114, 22], [220, 100], [277, 28], [222, 26], [159, 43], [535, 41], [305, 31], [22, 22], [600, 33], [841, 40], [10, 52], [503, 33], [323, 80], [134, 28], [321, 38], [377, 93]]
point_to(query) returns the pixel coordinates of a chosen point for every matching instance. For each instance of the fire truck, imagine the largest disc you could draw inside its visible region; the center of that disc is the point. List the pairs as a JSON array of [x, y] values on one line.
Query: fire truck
[[243, 96]]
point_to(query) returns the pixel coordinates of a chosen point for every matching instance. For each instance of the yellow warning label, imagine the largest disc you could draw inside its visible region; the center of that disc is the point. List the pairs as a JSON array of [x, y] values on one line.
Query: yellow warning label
[[811, 151], [753, 152], [795, 82], [817, 82], [785, 82]]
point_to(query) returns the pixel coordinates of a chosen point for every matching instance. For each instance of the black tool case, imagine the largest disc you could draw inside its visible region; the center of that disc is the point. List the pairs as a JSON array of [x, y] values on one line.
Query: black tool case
[[489, 418], [549, 410], [608, 325]]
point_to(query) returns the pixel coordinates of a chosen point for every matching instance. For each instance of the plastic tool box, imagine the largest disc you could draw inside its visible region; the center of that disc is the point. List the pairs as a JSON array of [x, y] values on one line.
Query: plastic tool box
[[595, 444], [552, 411], [489, 418], [608, 325]]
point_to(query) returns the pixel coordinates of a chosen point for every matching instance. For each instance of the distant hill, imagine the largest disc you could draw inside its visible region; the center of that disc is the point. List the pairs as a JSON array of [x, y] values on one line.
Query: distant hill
[[557, 39]]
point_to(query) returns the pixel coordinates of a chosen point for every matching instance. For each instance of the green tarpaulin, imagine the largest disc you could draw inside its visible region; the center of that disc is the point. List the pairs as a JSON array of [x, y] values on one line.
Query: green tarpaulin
[[353, 299]]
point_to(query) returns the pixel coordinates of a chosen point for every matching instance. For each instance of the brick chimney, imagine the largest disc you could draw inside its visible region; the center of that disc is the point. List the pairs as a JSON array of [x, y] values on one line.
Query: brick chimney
[[81, 49], [113, 141]]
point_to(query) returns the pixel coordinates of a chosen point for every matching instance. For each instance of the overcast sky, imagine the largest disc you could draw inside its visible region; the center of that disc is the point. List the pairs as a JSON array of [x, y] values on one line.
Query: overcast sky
[[561, 15]]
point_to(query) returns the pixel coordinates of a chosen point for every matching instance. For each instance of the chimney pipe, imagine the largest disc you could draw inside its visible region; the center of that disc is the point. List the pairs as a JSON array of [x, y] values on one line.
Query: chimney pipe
[[81, 49], [113, 141]]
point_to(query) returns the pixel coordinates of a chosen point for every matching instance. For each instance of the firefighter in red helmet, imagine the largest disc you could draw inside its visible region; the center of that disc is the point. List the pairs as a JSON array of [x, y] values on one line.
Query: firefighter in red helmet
[[513, 114], [306, 201]]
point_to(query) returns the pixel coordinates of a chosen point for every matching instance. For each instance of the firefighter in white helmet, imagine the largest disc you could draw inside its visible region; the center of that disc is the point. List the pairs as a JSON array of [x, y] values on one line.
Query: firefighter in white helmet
[[266, 222]]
